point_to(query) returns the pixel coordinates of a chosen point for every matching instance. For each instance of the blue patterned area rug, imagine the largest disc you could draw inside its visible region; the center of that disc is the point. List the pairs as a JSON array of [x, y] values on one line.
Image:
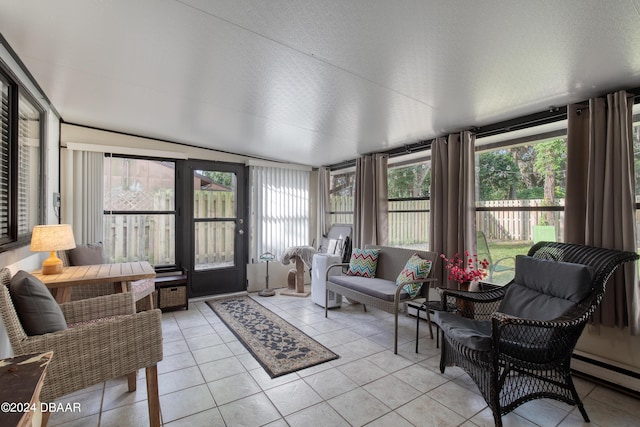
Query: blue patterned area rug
[[277, 345]]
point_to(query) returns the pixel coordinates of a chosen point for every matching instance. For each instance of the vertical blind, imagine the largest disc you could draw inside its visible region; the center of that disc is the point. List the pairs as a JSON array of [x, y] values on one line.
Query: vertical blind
[[279, 209], [4, 161], [28, 165]]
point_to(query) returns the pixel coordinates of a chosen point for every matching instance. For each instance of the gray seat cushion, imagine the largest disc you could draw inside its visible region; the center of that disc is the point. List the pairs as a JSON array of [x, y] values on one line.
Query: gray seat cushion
[[38, 312], [379, 288], [545, 289], [475, 334]]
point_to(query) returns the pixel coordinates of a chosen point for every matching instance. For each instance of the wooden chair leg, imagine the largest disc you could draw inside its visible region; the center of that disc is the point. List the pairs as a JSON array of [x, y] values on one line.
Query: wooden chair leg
[[150, 301], [45, 418], [153, 398], [131, 381]]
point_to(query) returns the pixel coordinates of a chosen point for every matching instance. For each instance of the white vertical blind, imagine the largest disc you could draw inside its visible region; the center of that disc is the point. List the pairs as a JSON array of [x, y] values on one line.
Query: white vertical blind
[[279, 209], [82, 194]]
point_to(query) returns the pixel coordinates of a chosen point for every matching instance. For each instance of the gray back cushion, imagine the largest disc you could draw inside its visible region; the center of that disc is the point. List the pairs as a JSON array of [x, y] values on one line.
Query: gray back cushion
[[38, 312], [544, 289], [87, 255]]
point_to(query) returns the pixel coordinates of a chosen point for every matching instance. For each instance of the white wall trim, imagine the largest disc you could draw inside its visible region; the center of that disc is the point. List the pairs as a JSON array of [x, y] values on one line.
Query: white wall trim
[[130, 151]]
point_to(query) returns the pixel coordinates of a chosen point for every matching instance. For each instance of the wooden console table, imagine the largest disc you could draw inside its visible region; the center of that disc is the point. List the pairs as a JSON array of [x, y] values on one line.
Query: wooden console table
[[119, 274], [21, 379]]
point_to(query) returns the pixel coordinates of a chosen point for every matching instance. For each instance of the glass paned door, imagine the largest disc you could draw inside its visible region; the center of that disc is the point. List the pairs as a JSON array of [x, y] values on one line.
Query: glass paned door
[[217, 234], [215, 215]]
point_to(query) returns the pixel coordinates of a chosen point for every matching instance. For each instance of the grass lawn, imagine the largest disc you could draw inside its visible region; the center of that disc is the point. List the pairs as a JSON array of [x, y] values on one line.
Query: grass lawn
[[499, 251]]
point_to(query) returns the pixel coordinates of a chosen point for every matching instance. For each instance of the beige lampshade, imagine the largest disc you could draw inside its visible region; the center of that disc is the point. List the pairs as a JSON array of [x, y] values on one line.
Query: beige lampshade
[[53, 237]]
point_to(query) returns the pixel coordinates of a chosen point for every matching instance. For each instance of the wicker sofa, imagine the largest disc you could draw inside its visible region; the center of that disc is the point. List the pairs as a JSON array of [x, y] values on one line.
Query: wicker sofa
[[381, 291]]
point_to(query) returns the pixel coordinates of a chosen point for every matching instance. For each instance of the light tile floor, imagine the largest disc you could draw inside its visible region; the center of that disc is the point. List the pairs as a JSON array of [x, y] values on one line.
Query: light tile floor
[[207, 378]]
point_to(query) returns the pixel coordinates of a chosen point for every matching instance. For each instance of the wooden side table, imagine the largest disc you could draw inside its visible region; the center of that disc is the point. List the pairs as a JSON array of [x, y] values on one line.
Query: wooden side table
[[21, 379]]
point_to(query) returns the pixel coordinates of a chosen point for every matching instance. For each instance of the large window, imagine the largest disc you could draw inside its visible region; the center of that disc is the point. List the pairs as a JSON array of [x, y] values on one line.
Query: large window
[[341, 191], [519, 198], [139, 210], [21, 165], [408, 192], [279, 210]]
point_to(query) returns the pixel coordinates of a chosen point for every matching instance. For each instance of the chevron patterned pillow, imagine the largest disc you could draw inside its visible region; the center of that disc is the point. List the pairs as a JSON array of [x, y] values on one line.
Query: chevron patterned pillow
[[415, 268], [363, 262]]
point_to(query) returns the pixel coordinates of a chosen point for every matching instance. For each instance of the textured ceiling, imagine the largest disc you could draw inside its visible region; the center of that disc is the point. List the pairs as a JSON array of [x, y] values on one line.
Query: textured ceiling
[[318, 81]]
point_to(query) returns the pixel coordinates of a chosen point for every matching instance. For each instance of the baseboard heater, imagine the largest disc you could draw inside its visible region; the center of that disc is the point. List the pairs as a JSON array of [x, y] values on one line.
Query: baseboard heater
[[619, 376]]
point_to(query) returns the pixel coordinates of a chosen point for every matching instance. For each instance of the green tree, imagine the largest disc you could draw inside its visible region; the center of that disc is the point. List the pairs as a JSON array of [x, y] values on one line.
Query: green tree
[[222, 178], [498, 174], [551, 162], [409, 181]]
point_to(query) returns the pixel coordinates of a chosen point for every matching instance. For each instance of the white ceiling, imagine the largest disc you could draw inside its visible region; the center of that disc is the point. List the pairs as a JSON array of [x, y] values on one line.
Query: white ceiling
[[317, 82]]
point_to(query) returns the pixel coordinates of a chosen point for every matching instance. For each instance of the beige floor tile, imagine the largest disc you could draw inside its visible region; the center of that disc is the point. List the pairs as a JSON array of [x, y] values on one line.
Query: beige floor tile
[[232, 388], [209, 354], [90, 421], [293, 396], [605, 414], [178, 380], [90, 404], [358, 407], [176, 362], [185, 403], [485, 419], [208, 418], [130, 415], [119, 395], [362, 371], [174, 347], [425, 411], [617, 400], [390, 419], [420, 378], [392, 391], [542, 412], [255, 410], [320, 415], [330, 383], [388, 361], [221, 368], [203, 341], [458, 399]]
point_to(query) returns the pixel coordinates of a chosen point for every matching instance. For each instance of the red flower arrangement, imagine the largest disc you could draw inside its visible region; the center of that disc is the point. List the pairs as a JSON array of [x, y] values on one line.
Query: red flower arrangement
[[461, 271]]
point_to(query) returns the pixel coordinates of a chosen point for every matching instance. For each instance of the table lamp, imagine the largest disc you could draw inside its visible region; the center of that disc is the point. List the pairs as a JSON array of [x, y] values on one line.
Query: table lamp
[[52, 238]]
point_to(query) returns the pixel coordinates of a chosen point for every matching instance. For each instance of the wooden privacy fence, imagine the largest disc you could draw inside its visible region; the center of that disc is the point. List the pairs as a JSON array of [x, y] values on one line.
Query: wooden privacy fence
[[151, 237], [409, 220]]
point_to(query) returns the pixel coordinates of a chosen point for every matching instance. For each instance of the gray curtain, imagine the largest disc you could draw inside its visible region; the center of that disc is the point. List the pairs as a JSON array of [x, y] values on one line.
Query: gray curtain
[[453, 228], [322, 227], [371, 204], [600, 200]]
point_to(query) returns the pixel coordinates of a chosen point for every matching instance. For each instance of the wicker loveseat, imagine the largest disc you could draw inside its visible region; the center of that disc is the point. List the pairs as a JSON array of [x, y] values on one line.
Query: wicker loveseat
[[516, 341], [105, 339], [380, 292]]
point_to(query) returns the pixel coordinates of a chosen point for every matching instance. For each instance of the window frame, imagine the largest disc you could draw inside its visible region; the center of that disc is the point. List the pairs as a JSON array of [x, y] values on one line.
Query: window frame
[[399, 163], [15, 90], [175, 212]]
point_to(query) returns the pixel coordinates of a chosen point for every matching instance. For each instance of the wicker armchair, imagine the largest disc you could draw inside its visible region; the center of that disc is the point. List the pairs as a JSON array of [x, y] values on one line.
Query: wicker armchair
[[514, 359], [111, 340]]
